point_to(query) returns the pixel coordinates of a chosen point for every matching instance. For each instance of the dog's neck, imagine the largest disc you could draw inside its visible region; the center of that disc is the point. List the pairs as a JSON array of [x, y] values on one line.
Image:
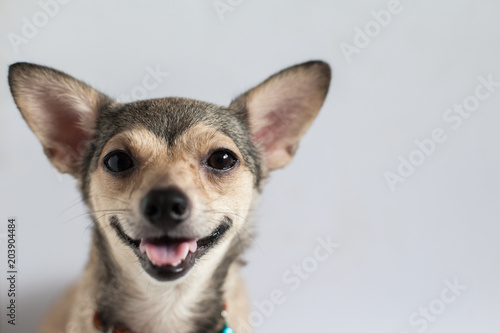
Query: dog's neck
[[131, 298]]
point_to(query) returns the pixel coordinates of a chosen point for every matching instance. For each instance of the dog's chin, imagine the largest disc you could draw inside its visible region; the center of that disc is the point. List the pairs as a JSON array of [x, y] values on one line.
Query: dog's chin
[[167, 259]]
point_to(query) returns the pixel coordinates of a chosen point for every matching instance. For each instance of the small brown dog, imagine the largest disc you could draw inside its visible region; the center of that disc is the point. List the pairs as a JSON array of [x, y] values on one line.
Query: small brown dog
[[170, 184]]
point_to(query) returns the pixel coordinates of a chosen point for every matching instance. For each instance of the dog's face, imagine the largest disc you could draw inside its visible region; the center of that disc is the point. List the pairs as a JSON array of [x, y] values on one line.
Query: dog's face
[[171, 198], [169, 180]]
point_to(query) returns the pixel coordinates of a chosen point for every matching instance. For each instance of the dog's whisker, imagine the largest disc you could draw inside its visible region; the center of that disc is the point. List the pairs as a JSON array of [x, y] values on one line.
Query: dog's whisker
[[77, 201], [109, 197], [227, 212], [117, 211], [96, 219], [91, 224]]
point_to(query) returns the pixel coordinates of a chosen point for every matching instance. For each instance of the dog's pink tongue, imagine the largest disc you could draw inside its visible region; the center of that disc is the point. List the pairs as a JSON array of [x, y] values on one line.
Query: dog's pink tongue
[[168, 254]]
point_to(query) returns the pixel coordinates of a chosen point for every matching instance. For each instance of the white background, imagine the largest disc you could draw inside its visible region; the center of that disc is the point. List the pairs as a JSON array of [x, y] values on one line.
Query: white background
[[396, 248]]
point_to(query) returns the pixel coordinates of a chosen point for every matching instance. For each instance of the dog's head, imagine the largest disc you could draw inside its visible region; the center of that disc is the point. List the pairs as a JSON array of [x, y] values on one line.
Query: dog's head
[[168, 180]]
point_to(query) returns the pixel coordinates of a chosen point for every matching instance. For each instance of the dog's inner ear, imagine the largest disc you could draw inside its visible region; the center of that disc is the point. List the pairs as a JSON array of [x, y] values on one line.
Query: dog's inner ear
[[59, 109], [281, 109]]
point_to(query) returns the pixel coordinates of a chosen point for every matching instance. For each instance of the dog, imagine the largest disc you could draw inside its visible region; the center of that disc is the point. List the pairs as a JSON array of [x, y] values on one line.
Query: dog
[[170, 184]]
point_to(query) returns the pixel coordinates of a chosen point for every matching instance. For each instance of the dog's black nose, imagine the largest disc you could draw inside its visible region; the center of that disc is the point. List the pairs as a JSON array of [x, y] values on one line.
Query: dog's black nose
[[165, 208]]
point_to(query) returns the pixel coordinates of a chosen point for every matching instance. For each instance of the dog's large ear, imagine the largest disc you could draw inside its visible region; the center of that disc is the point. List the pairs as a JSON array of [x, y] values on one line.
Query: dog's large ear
[[59, 109], [281, 109]]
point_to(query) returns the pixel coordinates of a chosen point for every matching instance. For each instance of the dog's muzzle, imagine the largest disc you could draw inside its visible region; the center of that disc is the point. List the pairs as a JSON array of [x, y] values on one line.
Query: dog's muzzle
[[163, 257]]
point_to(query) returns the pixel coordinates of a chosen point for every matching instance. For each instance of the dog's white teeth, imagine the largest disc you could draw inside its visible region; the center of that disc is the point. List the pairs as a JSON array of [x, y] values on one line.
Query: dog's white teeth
[[177, 263], [149, 256], [185, 254]]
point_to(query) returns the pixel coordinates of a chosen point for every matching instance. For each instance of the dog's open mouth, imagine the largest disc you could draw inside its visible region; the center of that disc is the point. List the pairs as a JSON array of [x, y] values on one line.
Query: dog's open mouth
[[166, 258], [172, 253]]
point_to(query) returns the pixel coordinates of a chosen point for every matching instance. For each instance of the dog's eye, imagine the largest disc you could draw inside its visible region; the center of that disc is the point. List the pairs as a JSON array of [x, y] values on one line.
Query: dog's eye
[[222, 160], [118, 161]]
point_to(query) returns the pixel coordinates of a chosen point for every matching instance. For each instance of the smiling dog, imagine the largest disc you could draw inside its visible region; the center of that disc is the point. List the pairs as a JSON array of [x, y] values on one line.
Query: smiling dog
[[170, 184]]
